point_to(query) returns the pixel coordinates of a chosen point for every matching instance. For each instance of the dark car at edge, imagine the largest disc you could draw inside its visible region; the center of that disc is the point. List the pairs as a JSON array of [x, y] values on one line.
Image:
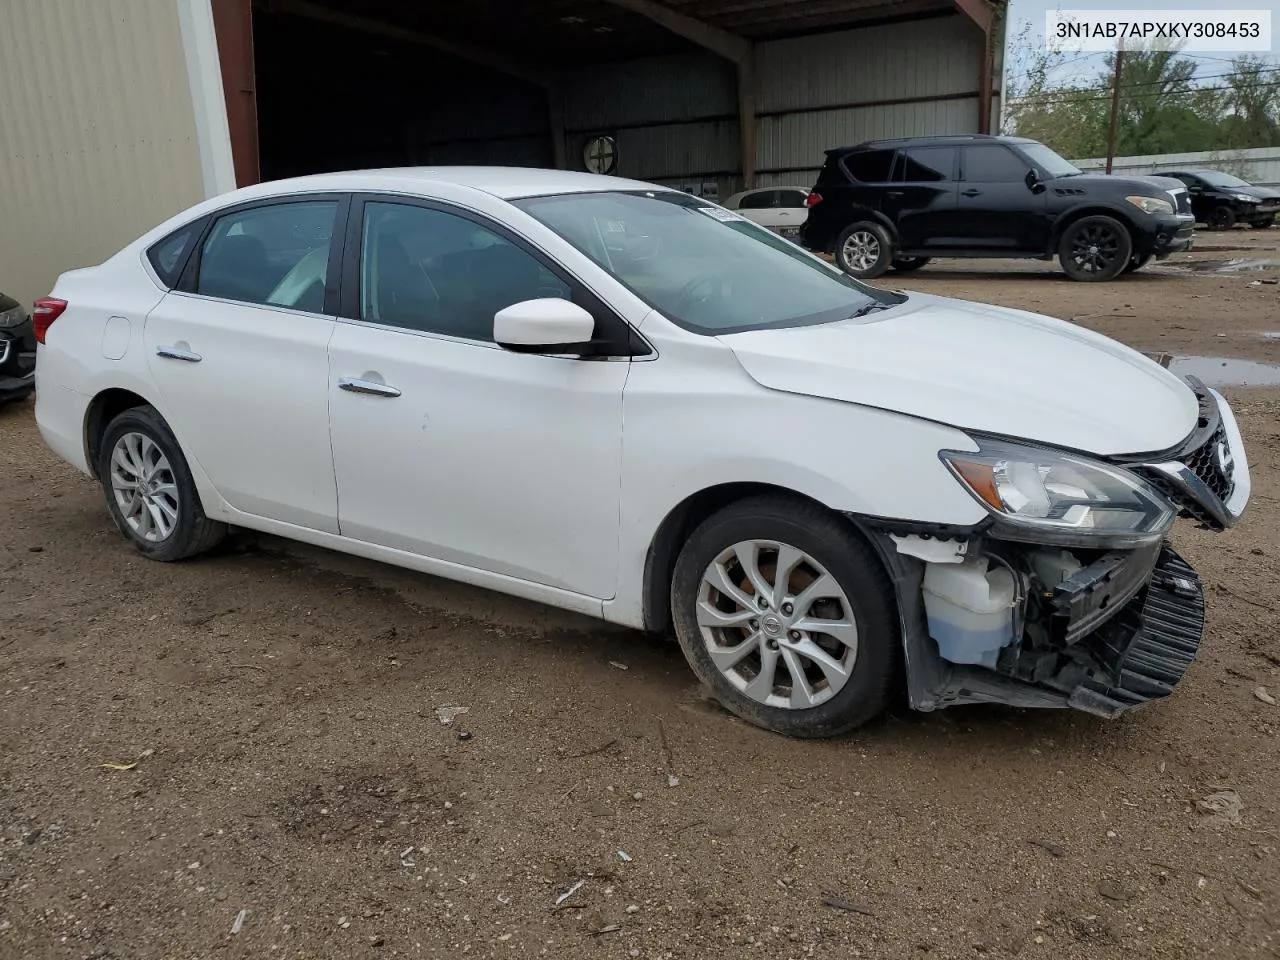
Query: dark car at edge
[[1220, 200], [900, 203], [17, 351]]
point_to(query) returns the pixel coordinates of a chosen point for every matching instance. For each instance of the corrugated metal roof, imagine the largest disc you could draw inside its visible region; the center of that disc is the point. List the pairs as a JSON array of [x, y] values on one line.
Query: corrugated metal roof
[[572, 32]]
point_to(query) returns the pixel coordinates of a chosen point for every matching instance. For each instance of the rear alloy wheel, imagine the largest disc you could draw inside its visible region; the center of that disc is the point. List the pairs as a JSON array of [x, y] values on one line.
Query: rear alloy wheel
[[786, 614], [1095, 248], [909, 264], [1137, 263], [149, 488], [864, 250], [1221, 218]]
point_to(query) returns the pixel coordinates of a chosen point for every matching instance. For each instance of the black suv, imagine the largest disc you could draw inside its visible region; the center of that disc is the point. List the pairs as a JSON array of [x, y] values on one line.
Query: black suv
[[17, 351], [1220, 201], [898, 203]]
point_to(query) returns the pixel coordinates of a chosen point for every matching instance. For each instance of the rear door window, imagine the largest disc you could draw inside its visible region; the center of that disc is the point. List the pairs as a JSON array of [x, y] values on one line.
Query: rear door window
[[925, 165], [870, 166], [169, 256], [276, 255], [760, 200]]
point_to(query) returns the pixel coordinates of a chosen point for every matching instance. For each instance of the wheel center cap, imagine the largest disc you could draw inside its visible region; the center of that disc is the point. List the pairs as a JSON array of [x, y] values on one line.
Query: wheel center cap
[[1093, 249], [771, 624]]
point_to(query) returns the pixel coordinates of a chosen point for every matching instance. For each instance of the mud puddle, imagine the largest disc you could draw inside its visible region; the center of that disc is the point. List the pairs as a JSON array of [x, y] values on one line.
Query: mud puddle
[[1228, 371]]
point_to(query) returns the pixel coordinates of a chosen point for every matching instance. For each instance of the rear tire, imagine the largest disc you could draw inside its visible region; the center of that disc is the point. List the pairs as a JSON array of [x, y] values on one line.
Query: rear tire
[[747, 651], [1221, 218], [864, 250], [910, 264], [1095, 249], [149, 489]]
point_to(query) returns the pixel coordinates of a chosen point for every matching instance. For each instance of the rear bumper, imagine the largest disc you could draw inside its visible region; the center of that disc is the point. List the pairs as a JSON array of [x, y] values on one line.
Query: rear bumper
[[60, 417]]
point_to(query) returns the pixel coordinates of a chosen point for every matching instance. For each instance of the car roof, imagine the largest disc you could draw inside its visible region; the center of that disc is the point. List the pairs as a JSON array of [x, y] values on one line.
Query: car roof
[[507, 183], [930, 141]]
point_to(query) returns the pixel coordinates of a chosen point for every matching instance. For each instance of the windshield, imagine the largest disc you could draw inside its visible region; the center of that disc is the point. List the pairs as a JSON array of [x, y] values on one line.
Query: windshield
[[1216, 179], [1050, 164], [701, 266]]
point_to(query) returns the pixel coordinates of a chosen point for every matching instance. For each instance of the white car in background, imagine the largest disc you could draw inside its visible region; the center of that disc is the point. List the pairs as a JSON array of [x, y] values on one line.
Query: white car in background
[[628, 402], [781, 209]]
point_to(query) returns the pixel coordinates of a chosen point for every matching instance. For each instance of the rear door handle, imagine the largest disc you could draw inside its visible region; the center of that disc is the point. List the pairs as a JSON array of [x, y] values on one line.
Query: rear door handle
[[178, 353], [894, 193], [971, 193], [373, 389]]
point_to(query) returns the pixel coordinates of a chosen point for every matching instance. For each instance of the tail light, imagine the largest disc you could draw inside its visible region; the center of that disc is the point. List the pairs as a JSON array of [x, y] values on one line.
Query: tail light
[[46, 310], [813, 199]]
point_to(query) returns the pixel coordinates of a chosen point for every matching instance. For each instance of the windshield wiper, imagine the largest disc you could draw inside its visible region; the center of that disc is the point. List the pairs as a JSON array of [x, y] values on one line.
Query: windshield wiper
[[873, 307]]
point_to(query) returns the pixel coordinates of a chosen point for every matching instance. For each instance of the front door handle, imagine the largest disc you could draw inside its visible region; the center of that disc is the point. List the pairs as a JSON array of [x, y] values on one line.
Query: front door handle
[[971, 193], [369, 387], [894, 193], [178, 353]]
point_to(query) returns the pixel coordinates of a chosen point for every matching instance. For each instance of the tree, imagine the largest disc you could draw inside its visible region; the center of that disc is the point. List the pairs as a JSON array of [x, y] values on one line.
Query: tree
[[1166, 105]]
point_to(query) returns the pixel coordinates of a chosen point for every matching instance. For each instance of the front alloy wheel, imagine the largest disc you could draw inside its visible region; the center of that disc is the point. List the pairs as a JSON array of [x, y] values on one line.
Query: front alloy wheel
[[786, 613], [1095, 249], [776, 624]]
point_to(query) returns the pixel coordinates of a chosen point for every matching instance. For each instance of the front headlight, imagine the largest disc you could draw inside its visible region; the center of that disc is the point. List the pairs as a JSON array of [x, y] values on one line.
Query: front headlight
[[12, 317], [1245, 198], [1152, 205], [1043, 496]]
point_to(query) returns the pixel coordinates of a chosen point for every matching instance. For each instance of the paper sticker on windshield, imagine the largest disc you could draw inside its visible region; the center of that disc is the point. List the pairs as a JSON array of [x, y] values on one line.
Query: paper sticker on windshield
[[715, 213]]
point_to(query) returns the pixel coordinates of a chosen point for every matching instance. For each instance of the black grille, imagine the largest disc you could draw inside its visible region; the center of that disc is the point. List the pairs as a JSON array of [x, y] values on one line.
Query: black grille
[[1147, 649], [1204, 463]]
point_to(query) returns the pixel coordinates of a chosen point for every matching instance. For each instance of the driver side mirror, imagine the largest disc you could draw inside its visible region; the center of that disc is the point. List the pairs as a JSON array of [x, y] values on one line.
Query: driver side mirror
[[1032, 180], [547, 325]]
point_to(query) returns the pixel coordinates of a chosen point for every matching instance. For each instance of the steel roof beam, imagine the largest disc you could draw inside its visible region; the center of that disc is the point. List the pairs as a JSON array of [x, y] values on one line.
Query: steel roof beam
[[979, 11], [728, 45], [494, 61]]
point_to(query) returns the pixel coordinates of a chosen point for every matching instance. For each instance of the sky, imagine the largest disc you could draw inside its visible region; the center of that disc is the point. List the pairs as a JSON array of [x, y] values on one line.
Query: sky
[[1034, 11]]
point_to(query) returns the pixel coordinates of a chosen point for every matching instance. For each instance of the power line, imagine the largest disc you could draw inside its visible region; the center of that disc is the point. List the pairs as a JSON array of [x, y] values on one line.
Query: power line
[[1208, 76], [1058, 97]]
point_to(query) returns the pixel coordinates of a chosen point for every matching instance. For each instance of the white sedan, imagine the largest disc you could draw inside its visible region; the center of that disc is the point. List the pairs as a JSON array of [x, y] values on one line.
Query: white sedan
[[781, 209], [626, 401]]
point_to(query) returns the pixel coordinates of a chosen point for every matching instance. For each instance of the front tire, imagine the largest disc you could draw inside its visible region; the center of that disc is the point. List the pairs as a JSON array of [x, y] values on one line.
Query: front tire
[[1095, 249], [149, 489], [1221, 218], [788, 616], [1137, 263], [1263, 224], [864, 250]]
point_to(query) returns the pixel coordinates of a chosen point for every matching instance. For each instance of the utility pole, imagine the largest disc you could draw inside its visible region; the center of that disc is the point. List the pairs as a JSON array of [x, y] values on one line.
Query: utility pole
[[1115, 106]]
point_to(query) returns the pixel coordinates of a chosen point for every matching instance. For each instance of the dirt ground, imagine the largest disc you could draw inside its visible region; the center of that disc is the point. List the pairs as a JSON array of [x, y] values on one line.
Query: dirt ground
[[275, 708]]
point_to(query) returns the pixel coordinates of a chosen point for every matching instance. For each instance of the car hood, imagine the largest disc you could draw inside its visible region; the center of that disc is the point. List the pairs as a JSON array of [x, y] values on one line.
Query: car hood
[[1262, 193], [1110, 183], [983, 369]]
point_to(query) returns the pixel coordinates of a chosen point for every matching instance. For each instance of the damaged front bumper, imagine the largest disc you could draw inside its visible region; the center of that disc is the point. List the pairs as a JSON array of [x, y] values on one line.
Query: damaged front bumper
[[1103, 631]]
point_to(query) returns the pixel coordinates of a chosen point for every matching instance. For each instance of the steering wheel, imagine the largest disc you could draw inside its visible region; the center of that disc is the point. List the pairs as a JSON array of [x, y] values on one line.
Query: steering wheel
[[701, 290]]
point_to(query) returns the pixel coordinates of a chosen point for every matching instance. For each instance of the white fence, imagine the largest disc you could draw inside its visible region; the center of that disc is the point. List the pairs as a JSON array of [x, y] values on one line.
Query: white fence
[[1260, 167]]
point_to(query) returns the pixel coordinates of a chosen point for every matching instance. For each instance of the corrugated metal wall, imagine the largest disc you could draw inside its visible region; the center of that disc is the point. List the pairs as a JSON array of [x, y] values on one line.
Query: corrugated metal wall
[[838, 89], [676, 118], [1260, 167], [97, 133], [673, 117]]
